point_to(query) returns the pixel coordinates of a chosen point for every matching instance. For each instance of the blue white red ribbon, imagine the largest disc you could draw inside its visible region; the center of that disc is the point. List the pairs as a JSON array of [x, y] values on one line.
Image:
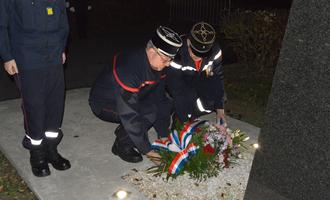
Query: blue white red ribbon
[[180, 143]]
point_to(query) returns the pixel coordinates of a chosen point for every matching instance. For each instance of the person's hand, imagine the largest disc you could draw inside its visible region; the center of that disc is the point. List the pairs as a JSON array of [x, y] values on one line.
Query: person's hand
[[163, 138], [220, 118], [72, 9], [11, 67], [208, 72], [63, 58], [154, 157]]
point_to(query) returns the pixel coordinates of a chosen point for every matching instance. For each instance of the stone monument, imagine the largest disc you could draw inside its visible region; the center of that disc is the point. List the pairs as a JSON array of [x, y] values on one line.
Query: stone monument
[[293, 161]]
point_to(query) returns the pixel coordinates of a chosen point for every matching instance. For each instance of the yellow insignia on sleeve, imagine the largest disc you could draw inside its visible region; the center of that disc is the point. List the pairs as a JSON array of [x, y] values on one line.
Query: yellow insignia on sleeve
[[50, 11]]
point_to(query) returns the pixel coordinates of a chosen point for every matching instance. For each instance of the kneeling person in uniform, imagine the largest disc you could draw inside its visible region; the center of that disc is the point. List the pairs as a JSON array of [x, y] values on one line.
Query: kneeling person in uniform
[[195, 77], [131, 92]]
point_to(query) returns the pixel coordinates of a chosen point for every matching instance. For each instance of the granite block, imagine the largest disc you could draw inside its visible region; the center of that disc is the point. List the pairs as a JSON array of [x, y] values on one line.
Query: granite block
[[294, 159]]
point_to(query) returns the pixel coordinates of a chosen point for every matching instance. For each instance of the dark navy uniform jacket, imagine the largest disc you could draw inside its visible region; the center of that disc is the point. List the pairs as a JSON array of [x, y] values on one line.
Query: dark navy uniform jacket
[[33, 32], [131, 88], [194, 92]]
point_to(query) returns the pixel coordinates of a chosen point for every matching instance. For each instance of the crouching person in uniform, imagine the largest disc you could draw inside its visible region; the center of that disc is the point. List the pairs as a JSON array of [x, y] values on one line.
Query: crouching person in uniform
[[33, 36], [131, 92], [195, 77]]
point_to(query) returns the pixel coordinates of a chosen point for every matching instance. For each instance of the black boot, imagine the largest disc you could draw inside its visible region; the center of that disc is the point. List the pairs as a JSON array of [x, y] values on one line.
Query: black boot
[[39, 164], [57, 160], [128, 154], [53, 156], [38, 157], [125, 149]]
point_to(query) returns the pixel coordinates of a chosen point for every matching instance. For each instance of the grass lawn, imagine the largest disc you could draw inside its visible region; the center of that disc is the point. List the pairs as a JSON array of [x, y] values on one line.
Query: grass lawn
[[12, 187], [247, 94]]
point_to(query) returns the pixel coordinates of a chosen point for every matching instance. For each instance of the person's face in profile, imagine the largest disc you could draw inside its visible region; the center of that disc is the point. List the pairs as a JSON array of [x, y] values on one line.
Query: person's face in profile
[[158, 60]]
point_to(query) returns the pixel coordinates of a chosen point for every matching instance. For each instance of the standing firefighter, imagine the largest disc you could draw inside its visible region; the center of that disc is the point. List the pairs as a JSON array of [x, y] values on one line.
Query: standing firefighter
[[195, 79], [33, 36], [131, 93]]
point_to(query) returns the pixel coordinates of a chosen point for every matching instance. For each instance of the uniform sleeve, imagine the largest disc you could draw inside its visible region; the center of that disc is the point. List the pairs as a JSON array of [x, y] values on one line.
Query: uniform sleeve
[[217, 67], [5, 49], [64, 25], [178, 76], [133, 122], [164, 109], [184, 96], [174, 82], [211, 91], [219, 103], [218, 72]]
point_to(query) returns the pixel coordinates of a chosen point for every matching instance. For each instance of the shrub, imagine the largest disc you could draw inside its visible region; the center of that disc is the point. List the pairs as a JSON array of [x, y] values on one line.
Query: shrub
[[256, 37]]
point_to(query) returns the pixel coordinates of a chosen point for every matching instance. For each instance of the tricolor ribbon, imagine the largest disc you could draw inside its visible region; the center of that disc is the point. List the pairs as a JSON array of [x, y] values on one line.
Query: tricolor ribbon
[[180, 143]]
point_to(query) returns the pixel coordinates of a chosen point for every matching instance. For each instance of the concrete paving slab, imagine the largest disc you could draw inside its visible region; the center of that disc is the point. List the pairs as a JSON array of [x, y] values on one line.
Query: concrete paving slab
[[96, 172]]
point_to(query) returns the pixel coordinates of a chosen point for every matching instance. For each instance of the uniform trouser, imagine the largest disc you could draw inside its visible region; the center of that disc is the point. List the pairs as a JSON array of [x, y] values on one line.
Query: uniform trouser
[[107, 114], [42, 93]]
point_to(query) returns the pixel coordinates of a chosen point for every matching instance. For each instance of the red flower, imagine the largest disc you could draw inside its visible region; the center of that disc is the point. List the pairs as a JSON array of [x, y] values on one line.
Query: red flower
[[198, 130], [209, 149]]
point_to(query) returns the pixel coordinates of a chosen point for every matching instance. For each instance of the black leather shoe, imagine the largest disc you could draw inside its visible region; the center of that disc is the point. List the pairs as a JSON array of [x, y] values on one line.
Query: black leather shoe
[[39, 164], [57, 160], [126, 154]]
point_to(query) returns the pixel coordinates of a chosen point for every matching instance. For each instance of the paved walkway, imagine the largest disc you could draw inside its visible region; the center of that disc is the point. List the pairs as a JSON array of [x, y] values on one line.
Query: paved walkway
[[96, 172]]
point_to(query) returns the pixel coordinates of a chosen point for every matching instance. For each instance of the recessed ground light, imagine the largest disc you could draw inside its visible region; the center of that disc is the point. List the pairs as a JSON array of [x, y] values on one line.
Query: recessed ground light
[[121, 194], [256, 146]]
